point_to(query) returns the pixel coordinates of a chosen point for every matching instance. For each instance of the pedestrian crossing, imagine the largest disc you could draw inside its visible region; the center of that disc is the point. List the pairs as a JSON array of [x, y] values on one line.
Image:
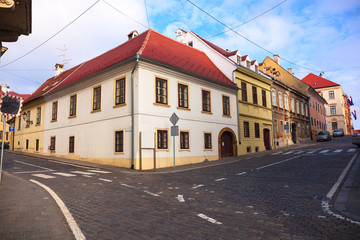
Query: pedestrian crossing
[[87, 173], [314, 151]]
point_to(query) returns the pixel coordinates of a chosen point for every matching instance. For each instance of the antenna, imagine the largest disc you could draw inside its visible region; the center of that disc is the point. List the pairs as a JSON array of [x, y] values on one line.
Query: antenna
[[65, 61]]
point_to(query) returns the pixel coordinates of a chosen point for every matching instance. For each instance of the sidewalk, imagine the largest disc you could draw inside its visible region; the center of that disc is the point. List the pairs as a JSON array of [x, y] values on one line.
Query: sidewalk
[[28, 212]]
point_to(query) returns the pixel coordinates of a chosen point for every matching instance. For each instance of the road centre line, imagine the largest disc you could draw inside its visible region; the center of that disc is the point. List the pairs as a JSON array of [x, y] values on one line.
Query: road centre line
[[129, 186], [69, 218], [39, 171], [242, 173], [152, 194], [220, 179], [197, 186], [209, 219], [272, 164], [105, 180], [33, 165]]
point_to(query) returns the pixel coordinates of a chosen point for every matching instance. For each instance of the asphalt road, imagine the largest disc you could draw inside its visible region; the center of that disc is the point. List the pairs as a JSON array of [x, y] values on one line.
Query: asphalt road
[[270, 195]]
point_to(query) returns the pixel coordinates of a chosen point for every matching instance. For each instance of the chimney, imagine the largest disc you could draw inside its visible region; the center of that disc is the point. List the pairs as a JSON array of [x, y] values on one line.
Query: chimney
[[290, 71], [277, 59], [59, 68], [132, 35]]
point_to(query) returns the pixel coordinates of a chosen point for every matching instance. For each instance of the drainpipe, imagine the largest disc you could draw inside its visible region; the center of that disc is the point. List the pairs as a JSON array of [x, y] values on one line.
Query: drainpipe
[[272, 115], [237, 107], [132, 114]]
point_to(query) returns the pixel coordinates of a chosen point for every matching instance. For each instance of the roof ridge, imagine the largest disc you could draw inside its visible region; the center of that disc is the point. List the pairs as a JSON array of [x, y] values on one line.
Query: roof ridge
[[145, 42]]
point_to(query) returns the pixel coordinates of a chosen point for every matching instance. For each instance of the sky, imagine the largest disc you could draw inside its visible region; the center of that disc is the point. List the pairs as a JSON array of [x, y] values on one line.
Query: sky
[[309, 36]]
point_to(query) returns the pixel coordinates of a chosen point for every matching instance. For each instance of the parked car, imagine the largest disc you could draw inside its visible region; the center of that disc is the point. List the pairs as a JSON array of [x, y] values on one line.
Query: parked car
[[356, 139], [6, 145], [323, 136], [338, 133]]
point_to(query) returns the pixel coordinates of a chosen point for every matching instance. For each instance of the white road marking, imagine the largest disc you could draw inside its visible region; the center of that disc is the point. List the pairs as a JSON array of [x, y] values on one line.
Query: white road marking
[[272, 164], [338, 150], [69, 218], [287, 153], [180, 198], [40, 175], [39, 171], [299, 152], [198, 186], [83, 173], [351, 150], [220, 179], [203, 216], [33, 165], [129, 186], [152, 194], [98, 171], [65, 174], [324, 151], [242, 173], [105, 180], [325, 202], [277, 153], [63, 163]]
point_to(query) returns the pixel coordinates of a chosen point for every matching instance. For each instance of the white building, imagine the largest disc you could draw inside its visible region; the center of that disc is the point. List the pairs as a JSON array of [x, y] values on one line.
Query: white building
[[115, 109]]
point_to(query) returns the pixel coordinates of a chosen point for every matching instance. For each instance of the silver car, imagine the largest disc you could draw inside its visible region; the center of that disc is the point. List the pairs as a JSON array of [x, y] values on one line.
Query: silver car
[[323, 136], [338, 133], [356, 139]]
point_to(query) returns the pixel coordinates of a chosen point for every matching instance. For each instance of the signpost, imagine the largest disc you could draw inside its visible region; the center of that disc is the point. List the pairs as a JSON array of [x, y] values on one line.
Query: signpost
[[10, 106], [174, 130]]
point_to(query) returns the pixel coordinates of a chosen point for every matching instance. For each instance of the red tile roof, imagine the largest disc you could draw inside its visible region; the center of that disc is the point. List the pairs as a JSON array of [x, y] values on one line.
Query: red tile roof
[[149, 45], [318, 82]]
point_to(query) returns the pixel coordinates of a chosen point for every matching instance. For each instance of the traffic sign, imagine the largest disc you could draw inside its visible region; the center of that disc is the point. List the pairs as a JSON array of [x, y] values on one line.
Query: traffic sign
[[174, 119], [11, 129]]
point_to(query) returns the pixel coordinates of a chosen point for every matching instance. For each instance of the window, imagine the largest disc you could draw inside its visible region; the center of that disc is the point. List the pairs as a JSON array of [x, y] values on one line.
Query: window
[[206, 104], [38, 116], [334, 125], [27, 144], [161, 91], [331, 95], [312, 121], [37, 145], [226, 105], [297, 107], [72, 112], [19, 123], [280, 99], [120, 91], [238, 59], [286, 101], [332, 109], [183, 96], [263, 93], [162, 139], [71, 144], [27, 119], [243, 92], [184, 140], [96, 98], [282, 126], [273, 97], [207, 141], [119, 141], [246, 129], [287, 127], [292, 104], [54, 111], [52, 143], [275, 126], [256, 68], [257, 130], [306, 110], [248, 64], [302, 108], [254, 93]]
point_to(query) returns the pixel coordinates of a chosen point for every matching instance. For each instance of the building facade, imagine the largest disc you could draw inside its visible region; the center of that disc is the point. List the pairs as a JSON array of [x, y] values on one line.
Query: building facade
[[290, 104], [334, 96], [317, 106], [115, 109]]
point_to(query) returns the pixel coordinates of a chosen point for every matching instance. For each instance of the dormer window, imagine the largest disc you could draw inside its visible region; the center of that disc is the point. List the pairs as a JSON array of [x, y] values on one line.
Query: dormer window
[[190, 44], [238, 59], [256, 68], [248, 64]]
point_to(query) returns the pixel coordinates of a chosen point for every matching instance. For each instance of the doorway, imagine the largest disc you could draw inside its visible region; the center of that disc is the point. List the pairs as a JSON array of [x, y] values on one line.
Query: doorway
[[267, 139], [293, 132], [227, 143]]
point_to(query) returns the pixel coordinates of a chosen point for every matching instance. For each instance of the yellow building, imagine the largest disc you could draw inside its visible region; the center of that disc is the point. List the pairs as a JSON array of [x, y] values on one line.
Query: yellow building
[[30, 127], [255, 114]]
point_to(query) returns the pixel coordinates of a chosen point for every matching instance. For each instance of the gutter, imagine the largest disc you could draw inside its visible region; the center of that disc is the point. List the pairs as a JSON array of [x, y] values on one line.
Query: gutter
[[237, 108], [137, 57]]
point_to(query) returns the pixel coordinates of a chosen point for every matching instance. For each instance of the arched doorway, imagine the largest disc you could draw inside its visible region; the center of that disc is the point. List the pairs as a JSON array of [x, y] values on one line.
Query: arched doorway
[[267, 139], [227, 143], [293, 132]]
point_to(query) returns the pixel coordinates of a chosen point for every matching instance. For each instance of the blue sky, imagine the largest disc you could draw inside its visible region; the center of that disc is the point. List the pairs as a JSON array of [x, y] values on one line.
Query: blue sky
[[319, 35]]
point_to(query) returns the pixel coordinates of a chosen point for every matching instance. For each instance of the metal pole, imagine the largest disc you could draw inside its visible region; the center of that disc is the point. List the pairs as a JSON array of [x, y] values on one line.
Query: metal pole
[[174, 148], [2, 146]]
